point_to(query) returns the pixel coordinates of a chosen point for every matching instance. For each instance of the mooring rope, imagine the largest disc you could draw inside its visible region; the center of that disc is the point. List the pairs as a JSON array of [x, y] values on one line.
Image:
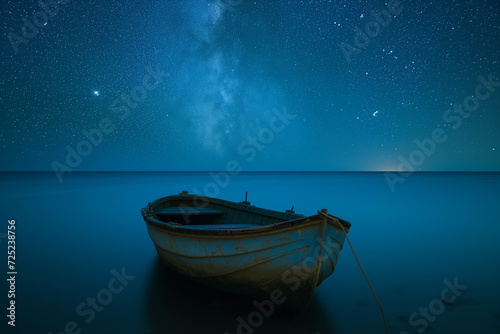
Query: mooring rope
[[335, 220]]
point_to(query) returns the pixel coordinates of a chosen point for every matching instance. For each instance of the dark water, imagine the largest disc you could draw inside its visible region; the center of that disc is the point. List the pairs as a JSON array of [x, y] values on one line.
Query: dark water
[[434, 227]]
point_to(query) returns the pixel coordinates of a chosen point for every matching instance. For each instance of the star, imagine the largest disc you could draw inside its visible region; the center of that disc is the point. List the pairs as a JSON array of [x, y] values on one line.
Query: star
[[96, 93]]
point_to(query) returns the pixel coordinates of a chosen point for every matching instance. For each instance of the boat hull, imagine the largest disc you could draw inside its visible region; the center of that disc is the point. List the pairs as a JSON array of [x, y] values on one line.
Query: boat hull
[[286, 259]]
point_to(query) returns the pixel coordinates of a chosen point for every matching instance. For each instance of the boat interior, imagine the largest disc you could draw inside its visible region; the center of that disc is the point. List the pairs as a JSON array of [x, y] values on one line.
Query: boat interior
[[219, 214]]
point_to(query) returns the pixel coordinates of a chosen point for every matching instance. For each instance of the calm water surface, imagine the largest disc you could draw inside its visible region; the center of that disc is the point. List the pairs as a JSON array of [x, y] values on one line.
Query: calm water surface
[[74, 238]]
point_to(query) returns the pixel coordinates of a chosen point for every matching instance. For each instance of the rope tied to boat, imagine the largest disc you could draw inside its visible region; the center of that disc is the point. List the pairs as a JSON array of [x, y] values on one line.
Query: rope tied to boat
[[337, 222]]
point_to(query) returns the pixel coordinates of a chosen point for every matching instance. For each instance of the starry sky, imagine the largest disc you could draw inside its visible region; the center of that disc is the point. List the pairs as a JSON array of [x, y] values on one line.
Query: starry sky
[[191, 85]]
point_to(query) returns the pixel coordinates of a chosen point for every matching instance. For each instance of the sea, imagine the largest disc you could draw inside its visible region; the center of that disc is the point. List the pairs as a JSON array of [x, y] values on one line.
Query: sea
[[84, 262]]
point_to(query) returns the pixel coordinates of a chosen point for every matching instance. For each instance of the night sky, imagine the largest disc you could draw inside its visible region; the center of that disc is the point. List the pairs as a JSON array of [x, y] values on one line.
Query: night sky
[[273, 85]]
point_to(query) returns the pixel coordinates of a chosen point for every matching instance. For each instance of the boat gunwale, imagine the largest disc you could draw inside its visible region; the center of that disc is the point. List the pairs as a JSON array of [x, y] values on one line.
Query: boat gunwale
[[185, 230]]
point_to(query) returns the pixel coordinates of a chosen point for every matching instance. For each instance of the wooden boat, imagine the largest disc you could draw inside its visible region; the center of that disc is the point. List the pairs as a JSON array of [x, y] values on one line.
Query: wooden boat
[[239, 248]]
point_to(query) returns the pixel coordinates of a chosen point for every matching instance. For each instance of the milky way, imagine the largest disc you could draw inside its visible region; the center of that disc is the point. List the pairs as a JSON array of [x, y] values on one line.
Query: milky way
[[365, 83]]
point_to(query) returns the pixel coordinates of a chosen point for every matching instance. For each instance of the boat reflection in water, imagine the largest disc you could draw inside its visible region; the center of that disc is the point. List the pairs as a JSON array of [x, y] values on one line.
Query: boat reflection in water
[[276, 259], [174, 304]]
